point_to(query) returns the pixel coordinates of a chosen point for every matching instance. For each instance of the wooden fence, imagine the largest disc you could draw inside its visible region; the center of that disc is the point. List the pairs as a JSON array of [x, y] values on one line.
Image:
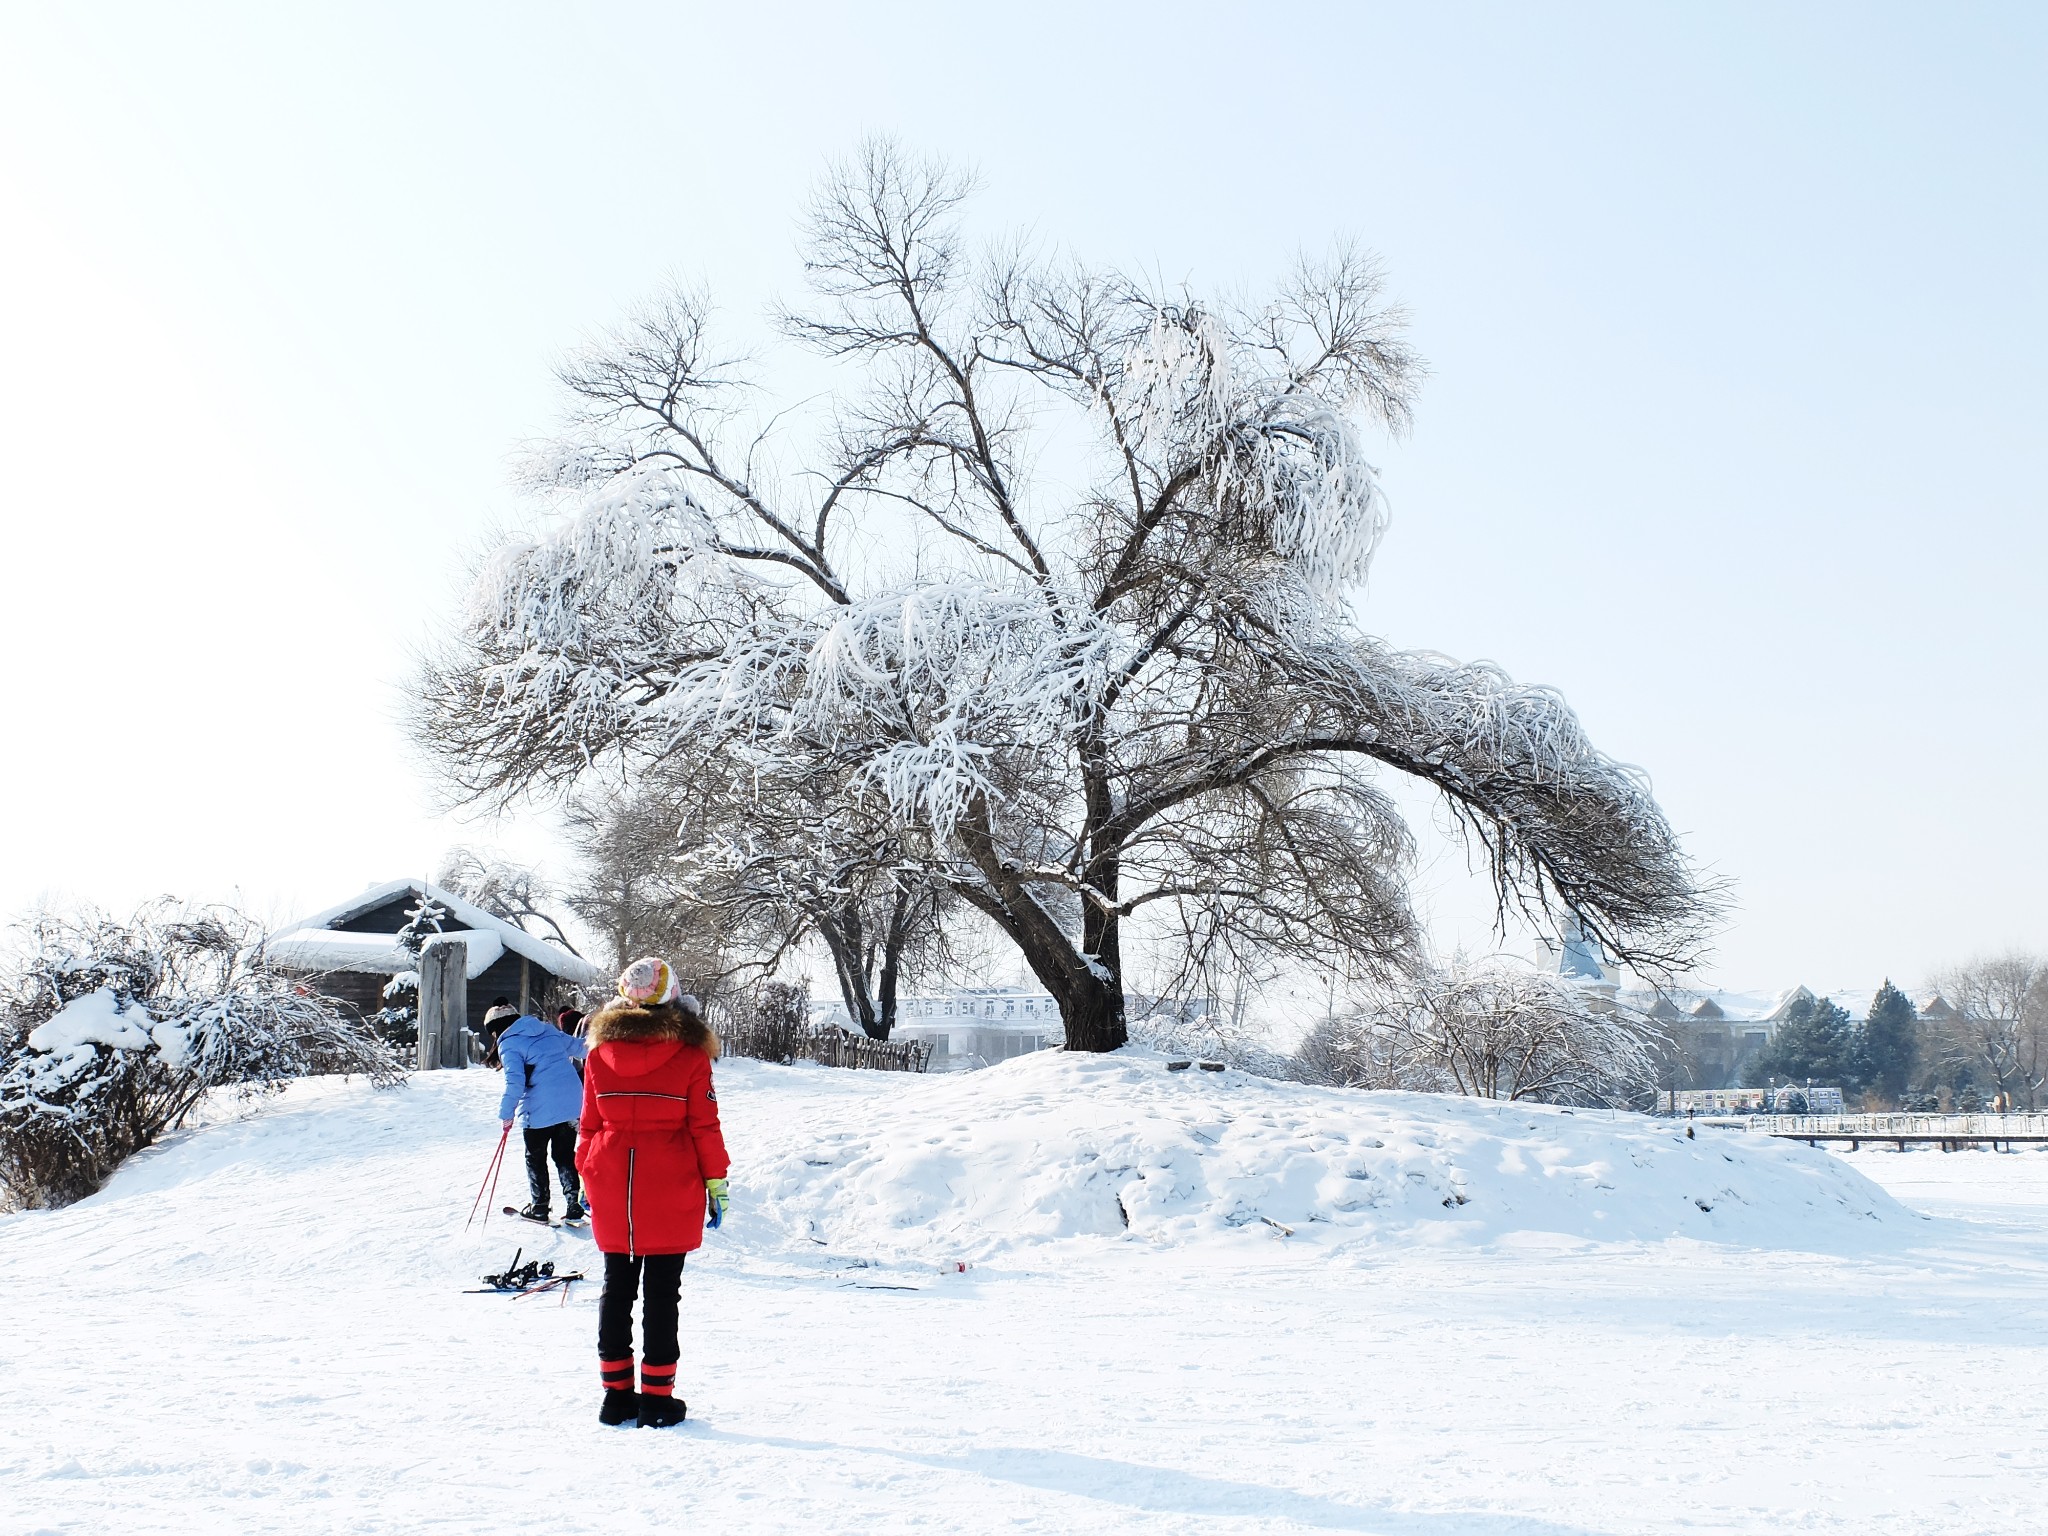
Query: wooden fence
[[827, 1045]]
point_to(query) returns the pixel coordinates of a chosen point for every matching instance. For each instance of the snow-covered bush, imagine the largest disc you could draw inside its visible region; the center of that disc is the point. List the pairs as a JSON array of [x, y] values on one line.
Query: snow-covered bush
[[1211, 1034], [769, 1022], [112, 1033], [1494, 1029], [1365, 1050]]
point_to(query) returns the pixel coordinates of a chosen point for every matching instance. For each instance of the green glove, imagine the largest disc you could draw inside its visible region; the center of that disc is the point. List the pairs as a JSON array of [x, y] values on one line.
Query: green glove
[[714, 1202]]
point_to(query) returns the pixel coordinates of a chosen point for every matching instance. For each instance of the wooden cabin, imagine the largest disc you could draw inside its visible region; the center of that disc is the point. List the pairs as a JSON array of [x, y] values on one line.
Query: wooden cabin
[[351, 952]]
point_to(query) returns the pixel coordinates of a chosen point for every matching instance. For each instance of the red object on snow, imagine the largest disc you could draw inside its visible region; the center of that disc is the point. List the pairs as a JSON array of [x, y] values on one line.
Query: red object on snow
[[648, 1141]]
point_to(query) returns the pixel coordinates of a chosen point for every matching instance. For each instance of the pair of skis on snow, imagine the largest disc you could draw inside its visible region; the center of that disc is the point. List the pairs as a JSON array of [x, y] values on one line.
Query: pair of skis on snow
[[528, 1279], [517, 1279]]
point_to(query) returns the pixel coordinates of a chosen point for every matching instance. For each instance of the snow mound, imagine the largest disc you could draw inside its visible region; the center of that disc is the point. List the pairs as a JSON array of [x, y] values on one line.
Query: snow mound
[[1057, 1146]]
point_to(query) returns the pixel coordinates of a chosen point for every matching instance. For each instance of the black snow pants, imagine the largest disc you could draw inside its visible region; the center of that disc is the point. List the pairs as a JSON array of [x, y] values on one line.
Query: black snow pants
[[558, 1141], [659, 1279]]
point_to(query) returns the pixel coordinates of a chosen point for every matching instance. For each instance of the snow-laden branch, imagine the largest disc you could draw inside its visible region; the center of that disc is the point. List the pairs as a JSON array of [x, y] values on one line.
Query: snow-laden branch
[[1279, 462]]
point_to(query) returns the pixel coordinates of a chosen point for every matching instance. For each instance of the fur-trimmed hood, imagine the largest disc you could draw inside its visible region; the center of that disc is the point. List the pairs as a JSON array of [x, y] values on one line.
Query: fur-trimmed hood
[[622, 1020]]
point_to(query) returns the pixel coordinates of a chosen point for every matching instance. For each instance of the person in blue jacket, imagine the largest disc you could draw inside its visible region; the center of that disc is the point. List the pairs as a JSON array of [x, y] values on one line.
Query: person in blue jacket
[[541, 1078]]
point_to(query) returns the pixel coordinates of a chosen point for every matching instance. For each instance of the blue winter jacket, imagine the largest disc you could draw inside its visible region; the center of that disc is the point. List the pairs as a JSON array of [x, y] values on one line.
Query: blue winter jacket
[[537, 1059]]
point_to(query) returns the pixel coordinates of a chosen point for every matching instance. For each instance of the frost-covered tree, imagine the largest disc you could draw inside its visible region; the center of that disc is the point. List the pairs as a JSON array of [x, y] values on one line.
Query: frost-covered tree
[[727, 870], [1063, 594], [776, 1024], [780, 858], [113, 1032], [514, 892], [2000, 1027], [1362, 1050], [630, 884], [1495, 1029], [795, 857]]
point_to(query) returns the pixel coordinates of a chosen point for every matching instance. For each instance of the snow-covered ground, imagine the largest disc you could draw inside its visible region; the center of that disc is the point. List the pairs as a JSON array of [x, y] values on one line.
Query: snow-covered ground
[[260, 1327]]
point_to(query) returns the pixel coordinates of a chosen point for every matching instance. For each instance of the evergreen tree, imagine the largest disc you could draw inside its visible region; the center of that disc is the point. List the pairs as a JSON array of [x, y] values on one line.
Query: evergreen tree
[[1816, 1040], [398, 1021], [1889, 1043]]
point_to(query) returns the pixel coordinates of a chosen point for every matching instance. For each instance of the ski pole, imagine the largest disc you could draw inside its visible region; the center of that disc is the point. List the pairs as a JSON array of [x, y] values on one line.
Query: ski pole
[[490, 1178], [488, 1171], [497, 1162], [496, 1169], [479, 1200]]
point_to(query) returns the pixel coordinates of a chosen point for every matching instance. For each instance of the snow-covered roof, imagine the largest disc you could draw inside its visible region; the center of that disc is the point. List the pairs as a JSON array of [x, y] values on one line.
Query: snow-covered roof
[[314, 944], [1710, 1005], [326, 949], [1797, 995], [322, 949]]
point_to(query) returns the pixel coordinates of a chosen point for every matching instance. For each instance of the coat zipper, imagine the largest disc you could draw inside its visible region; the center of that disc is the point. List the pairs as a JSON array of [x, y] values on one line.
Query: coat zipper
[[631, 1153]]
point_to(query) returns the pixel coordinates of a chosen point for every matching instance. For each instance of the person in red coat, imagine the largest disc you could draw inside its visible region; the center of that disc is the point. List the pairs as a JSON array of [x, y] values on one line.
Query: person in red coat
[[652, 1157]]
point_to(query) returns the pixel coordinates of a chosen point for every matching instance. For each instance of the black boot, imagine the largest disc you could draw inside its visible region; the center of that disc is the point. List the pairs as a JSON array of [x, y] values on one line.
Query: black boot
[[619, 1408], [661, 1412], [537, 1211]]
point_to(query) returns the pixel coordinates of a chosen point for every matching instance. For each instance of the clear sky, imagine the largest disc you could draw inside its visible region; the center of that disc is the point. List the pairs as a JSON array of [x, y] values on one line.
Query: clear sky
[[1734, 434]]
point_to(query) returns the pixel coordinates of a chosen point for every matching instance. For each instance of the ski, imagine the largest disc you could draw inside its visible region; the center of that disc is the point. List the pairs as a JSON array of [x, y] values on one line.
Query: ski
[[572, 1223]]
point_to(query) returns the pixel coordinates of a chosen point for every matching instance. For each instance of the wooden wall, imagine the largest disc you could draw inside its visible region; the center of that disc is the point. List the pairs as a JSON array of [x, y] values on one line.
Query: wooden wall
[[358, 990]]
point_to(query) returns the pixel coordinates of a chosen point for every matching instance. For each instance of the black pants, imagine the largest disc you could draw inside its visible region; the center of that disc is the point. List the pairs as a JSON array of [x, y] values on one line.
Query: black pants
[[659, 1279], [558, 1141]]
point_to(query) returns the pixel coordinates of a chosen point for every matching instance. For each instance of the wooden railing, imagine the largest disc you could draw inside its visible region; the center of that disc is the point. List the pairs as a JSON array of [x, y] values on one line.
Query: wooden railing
[[1946, 1130], [1880, 1126], [828, 1046]]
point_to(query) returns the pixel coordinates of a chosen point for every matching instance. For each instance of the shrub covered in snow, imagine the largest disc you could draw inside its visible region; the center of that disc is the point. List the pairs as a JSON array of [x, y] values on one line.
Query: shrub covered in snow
[[112, 1033], [775, 1025], [1495, 1029]]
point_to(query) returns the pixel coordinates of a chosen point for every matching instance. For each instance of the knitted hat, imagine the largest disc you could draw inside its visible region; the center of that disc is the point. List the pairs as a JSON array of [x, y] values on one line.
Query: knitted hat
[[647, 982], [500, 1014]]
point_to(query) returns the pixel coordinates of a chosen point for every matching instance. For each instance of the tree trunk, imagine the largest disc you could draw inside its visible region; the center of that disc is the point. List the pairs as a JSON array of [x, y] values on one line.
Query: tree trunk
[[1088, 986], [892, 964], [850, 963], [1094, 1018]]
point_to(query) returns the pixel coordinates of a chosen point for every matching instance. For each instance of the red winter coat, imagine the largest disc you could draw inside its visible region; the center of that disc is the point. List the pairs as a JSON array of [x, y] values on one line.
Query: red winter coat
[[649, 1135]]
